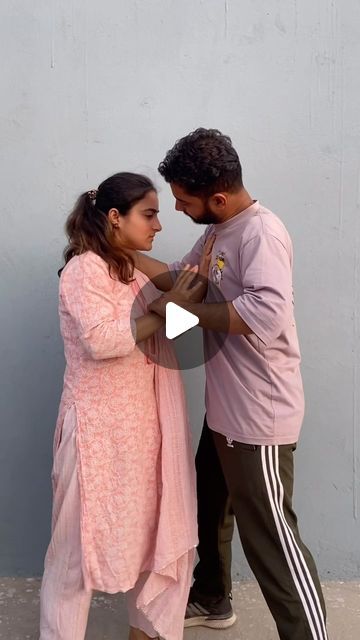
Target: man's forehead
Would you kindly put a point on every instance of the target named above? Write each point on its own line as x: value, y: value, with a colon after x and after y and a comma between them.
x: 180, y: 193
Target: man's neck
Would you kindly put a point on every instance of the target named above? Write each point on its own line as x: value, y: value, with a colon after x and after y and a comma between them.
x: 238, y: 202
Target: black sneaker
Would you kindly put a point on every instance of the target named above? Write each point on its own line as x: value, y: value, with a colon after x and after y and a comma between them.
x: 217, y: 615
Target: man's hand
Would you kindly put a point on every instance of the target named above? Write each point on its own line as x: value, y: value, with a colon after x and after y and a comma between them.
x: 203, y: 272
x: 206, y: 256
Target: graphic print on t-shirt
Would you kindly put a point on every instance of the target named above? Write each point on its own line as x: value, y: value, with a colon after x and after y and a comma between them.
x: 218, y: 268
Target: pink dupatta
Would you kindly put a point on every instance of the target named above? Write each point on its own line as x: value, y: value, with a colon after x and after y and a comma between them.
x: 164, y: 595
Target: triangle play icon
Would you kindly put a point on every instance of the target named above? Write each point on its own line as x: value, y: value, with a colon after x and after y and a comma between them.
x: 178, y: 320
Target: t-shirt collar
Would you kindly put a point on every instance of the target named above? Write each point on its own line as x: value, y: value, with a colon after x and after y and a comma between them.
x: 238, y: 217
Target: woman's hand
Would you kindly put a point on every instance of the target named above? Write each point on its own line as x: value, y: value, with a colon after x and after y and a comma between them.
x: 191, y: 284
x: 184, y: 290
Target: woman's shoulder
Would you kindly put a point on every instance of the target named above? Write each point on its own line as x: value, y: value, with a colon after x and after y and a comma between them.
x: 84, y: 262
x: 86, y: 265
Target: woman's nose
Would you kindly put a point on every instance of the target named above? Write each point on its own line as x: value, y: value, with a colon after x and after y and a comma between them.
x: 157, y: 226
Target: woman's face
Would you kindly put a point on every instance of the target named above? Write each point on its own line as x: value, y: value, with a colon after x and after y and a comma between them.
x: 137, y: 229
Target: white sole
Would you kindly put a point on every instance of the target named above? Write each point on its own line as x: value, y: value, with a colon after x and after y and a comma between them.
x: 203, y: 621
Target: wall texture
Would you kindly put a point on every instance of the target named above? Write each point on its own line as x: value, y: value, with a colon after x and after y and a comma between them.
x: 91, y: 88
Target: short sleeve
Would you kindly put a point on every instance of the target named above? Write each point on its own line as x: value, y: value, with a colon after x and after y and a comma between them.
x: 99, y: 306
x: 266, y: 304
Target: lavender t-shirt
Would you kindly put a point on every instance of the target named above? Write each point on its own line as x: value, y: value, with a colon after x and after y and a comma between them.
x: 254, y: 390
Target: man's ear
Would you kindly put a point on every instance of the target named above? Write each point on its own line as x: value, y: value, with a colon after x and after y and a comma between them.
x: 115, y: 218
x: 219, y: 200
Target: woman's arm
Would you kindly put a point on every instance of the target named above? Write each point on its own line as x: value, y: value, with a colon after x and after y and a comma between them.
x: 147, y: 325
x: 157, y: 271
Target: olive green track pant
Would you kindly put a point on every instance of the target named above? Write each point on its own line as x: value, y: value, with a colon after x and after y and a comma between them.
x: 254, y: 484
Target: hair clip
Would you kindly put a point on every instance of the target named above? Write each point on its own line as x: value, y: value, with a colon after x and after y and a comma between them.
x: 92, y: 194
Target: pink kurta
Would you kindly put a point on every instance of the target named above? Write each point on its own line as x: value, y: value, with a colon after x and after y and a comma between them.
x: 135, y: 463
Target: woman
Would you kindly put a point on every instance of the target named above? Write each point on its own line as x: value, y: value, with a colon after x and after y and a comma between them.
x: 124, y: 512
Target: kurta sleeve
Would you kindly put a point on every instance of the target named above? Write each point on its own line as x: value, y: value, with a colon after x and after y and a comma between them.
x: 99, y: 306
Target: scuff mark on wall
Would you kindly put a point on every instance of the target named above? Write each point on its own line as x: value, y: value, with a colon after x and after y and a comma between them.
x: 356, y: 404
x: 52, y: 36
x: 279, y: 24
x: 8, y: 261
x: 225, y: 18
x: 341, y: 108
x: 86, y: 92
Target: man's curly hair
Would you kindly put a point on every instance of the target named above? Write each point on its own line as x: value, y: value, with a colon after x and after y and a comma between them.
x: 203, y: 163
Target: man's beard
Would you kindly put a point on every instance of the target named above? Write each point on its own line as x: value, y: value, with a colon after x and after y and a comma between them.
x: 207, y: 217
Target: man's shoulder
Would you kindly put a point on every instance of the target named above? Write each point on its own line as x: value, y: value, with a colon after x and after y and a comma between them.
x: 265, y: 222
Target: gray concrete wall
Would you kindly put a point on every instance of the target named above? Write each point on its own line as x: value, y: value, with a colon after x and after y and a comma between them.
x: 90, y: 88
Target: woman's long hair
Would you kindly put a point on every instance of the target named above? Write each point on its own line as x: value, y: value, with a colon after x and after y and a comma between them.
x: 89, y: 229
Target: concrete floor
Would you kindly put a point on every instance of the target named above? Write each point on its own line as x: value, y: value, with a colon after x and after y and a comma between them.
x: 19, y: 614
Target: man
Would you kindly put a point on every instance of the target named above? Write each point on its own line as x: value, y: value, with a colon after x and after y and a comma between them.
x: 254, y: 393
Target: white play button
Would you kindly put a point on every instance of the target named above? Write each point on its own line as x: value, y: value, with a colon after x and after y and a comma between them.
x: 178, y: 320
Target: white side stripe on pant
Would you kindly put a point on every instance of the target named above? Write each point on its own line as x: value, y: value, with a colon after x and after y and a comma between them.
x: 294, y: 557
x: 310, y: 582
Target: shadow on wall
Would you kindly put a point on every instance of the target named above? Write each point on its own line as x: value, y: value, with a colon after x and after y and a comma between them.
x: 32, y: 363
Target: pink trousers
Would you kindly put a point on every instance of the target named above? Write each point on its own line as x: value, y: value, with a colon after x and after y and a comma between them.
x: 64, y: 603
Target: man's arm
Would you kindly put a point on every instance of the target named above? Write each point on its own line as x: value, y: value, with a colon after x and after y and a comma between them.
x: 218, y: 316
